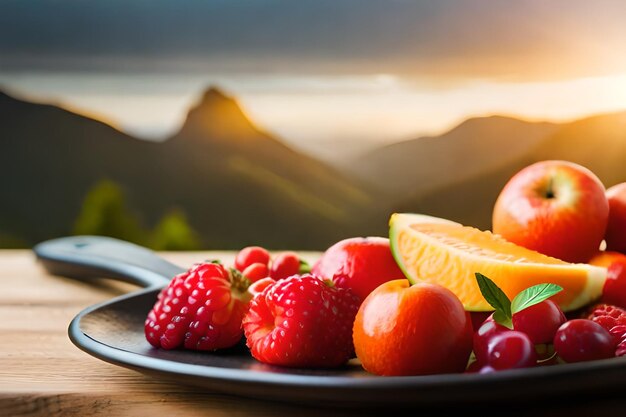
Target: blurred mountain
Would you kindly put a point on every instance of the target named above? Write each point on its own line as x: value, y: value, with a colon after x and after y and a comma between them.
x: 475, y: 146
x: 225, y: 183
x: 598, y: 143
x: 236, y: 184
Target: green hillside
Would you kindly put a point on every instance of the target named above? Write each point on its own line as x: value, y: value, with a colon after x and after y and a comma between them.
x: 475, y: 146
x: 598, y: 143
x: 233, y: 184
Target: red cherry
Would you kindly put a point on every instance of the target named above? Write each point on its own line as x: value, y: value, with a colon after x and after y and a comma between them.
x: 614, y: 291
x: 511, y: 350
x: 486, y: 370
x: 482, y: 337
x: 256, y: 271
x: 284, y: 265
x: 582, y: 340
x: 478, y: 318
x: 540, y: 321
x: 250, y: 255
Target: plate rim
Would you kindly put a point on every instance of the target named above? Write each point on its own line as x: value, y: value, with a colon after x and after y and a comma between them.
x: 133, y: 360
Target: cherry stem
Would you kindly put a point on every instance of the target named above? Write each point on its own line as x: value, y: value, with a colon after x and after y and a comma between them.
x: 540, y: 361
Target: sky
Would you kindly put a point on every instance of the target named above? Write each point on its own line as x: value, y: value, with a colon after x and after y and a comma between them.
x: 330, y: 77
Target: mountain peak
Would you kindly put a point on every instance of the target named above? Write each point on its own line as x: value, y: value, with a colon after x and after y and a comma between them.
x: 218, y: 116
x: 214, y: 94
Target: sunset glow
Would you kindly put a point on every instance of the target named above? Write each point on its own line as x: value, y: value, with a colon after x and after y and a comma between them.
x: 375, y: 74
x: 348, y: 112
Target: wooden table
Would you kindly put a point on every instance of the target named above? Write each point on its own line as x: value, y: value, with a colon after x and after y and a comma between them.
x: 43, y: 374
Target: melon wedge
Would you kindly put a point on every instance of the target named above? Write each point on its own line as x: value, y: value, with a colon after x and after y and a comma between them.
x: 447, y: 253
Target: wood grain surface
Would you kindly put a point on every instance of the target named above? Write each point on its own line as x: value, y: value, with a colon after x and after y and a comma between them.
x: 43, y: 374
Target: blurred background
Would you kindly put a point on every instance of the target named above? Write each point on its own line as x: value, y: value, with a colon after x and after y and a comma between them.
x: 219, y: 124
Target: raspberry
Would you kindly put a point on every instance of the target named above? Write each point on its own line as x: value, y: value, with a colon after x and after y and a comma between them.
x: 301, y: 321
x: 613, y: 319
x: 619, y: 334
x: 607, y: 315
x: 200, y: 309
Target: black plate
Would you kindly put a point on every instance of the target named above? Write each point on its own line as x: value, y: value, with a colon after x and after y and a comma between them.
x: 113, y: 331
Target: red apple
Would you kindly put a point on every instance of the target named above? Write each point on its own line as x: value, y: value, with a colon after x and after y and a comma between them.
x: 614, y: 290
x: 616, y: 229
x: 557, y: 208
x: 359, y: 263
x: 606, y: 258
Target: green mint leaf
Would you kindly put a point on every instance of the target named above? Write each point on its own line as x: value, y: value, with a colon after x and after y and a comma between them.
x: 501, y: 318
x: 496, y: 298
x: 533, y: 295
x: 305, y: 268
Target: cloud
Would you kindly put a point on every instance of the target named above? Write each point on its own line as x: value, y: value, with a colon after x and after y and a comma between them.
x: 446, y: 39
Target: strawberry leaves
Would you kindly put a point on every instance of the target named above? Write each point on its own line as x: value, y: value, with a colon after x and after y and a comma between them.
x: 505, y: 308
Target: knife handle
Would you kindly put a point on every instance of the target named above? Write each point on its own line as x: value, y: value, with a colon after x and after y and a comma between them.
x: 86, y: 257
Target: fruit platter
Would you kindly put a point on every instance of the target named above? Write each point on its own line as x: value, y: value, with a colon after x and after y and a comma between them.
x: 435, y: 311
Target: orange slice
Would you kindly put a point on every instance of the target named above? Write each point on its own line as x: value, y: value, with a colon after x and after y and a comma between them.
x: 447, y: 253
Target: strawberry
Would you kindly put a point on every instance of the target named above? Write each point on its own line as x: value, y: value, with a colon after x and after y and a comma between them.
x: 200, y: 309
x: 301, y: 321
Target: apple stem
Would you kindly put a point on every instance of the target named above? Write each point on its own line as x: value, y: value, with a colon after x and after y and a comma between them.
x: 550, y: 190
